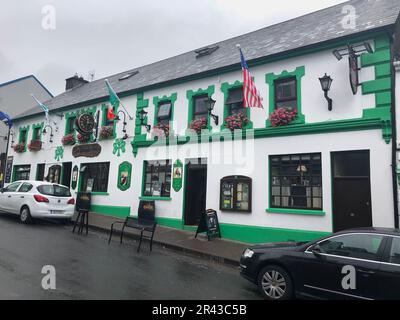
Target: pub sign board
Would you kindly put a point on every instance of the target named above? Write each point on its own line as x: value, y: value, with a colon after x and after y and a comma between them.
x: 177, y: 176
x: 86, y: 150
x: 209, y: 224
x: 9, y: 165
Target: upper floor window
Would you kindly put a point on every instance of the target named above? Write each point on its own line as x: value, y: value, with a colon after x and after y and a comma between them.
x: 200, y: 107
x: 286, y: 93
x: 70, y: 125
x: 234, y: 102
x: 23, y: 136
x: 36, y: 133
x: 164, y: 113
x: 107, y: 121
x: 296, y: 181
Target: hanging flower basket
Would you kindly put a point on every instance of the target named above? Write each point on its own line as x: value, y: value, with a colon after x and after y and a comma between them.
x: 198, y: 125
x: 106, y: 132
x: 35, y: 145
x: 236, y: 121
x: 83, y: 138
x: 282, y: 117
x: 161, y: 130
x: 20, y: 147
x: 68, y: 140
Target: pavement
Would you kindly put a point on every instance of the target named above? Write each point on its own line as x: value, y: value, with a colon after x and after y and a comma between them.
x: 86, y: 267
x: 218, y: 250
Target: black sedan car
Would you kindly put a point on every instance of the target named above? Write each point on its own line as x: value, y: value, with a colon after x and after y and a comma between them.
x: 352, y: 264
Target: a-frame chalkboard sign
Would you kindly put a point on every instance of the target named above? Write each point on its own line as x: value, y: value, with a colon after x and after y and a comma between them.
x: 209, y: 224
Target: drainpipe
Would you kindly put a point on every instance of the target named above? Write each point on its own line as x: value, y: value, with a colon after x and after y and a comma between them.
x: 395, y: 68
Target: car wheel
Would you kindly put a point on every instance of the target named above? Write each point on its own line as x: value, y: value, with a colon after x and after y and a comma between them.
x: 275, y: 283
x: 25, y: 216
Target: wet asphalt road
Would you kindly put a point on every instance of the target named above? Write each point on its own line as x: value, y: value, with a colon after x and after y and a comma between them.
x: 87, y: 268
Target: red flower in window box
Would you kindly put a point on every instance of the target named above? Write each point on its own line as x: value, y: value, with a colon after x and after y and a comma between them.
x: 35, y: 145
x: 20, y: 147
x: 107, y: 132
x: 198, y: 125
x: 68, y: 140
x: 236, y: 121
x: 282, y: 117
x: 83, y: 138
x: 161, y: 130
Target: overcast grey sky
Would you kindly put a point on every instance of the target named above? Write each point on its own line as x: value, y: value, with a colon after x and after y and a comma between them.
x: 113, y: 36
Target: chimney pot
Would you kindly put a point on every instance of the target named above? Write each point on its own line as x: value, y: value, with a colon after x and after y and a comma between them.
x: 74, y: 82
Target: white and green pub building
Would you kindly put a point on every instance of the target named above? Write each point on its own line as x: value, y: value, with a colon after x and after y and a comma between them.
x: 319, y: 157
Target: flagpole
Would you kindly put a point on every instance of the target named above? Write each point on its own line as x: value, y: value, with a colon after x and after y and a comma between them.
x: 130, y: 117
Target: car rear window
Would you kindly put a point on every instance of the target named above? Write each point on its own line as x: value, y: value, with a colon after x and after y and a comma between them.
x: 54, y: 190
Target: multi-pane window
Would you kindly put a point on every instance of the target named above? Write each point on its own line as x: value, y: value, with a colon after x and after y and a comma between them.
x: 23, y: 137
x: 157, y: 180
x: 95, y: 176
x: 164, y: 113
x: 235, y: 194
x: 200, y: 107
x: 234, y: 102
x: 36, y: 133
x: 70, y: 125
x: 286, y: 93
x: 22, y: 172
x: 296, y: 181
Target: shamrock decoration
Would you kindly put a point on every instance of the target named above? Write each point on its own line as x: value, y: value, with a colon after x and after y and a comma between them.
x: 59, y: 154
x: 119, y: 147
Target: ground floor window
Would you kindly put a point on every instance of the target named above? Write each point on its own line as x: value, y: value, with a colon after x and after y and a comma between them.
x: 235, y: 194
x: 54, y: 174
x: 157, y: 181
x: 95, y: 176
x: 296, y: 181
x: 22, y: 172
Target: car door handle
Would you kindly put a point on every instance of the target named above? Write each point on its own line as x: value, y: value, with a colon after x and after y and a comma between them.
x: 366, y: 271
x: 9, y: 196
x: 22, y: 197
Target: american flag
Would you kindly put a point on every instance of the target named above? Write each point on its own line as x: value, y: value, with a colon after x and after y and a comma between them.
x: 251, y: 97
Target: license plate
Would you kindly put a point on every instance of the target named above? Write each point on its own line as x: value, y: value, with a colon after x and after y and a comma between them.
x: 56, y: 212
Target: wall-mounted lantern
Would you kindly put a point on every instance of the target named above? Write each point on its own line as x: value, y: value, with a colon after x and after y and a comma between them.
x: 142, y: 117
x: 51, y: 132
x: 210, y: 106
x: 326, y: 82
x: 123, y: 124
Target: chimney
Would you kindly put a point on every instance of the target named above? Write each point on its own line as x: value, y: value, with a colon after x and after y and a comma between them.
x: 74, y: 82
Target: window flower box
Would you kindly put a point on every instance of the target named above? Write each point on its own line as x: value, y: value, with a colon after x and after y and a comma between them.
x: 83, y: 138
x: 107, y: 132
x: 68, y: 140
x: 236, y: 121
x: 282, y: 117
x: 35, y: 145
x: 20, y: 147
x: 161, y: 130
x: 198, y: 124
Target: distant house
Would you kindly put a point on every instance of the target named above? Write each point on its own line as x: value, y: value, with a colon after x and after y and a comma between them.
x: 15, y: 98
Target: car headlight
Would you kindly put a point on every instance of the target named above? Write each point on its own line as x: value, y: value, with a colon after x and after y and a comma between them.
x: 248, y: 253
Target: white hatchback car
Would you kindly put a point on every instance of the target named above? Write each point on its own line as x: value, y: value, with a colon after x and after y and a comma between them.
x: 37, y: 199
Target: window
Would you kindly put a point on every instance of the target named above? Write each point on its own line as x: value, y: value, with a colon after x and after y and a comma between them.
x: 235, y: 194
x: 12, y: 187
x: 95, y: 176
x: 157, y: 181
x: 22, y: 172
x: 235, y: 101
x: 26, y: 187
x: 164, y: 113
x: 54, y: 190
x: 286, y: 93
x: 108, y: 122
x: 200, y: 107
x: 37, y: 131
x: 394, y: 256
x: 70, y: 125
x: 360, y: 246
x: 54, y: 174
x: 23, y: 136
x: 40, y: 172
x: 296, y: 182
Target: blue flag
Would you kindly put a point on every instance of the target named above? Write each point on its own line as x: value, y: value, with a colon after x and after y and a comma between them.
x: 6, y: 119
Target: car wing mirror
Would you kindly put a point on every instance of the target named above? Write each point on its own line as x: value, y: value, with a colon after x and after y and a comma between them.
x: 2, y: 190
x: 316, y: 250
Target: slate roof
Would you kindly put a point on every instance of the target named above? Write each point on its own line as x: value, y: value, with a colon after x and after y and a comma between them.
x: 307, y: 30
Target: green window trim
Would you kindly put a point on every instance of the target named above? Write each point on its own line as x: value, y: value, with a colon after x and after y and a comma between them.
x: 225, y: 88
x: 141, y: 104
x: 295, y: 211
x: 158, y: 100
x: 190, y: 95
x: 26, y: 130
x: 104, y: 108
x: 98, y: 193
x: 34, y: 127
x: 124, y: 166
x: 270, y: 79
x: 148, y: 198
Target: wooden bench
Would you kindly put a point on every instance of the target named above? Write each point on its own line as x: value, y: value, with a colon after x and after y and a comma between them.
x: 145, y: 222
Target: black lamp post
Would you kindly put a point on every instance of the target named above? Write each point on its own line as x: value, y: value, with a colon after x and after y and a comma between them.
x: 51, y: 132
x: 210, y: 107
x: 142, y: 117
x: 123, y: 124
x: 326, y: 82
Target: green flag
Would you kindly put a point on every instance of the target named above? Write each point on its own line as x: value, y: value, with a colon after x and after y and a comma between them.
x: 114, y: 100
